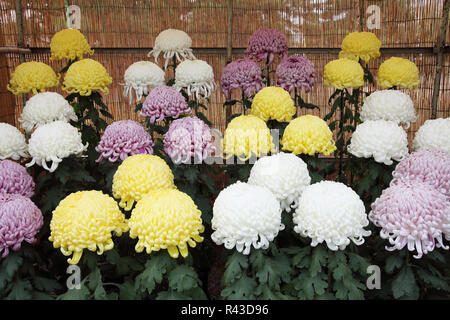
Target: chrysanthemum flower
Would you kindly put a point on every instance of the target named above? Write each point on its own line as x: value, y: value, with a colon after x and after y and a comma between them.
x: 284, y: 174
x: 188, y: 138
x: 433, y: 134
x: 245, y: 215
x: 390, y: 105
x: 295, y: 72
x: 273, y: 103
x: 360, y: 45
x: 242, y: 74
x: 164, y: 102
x: 15, y: 179
x: 196, y: 76
x: 46, y: 107
x: 166, y: 219
x: 266, y: 43
x: 138, y: 175
x: 172, y: 42
x: 332, y: 212
x: 85, y: 220
x: 308, y: 134
x: 32, y: 76
x: 69, y: 44
x: 398, y: 72
x: 12, y: 143
x: 20, y: 220
x: 246, y: 136
x: 343, y: 73
x: 122, y: 139
x: 411, y: 214
x: 383, y: 140
x: 53, y: 142
x: 85, y: 76
x: 430, y: 166
x: 141, y: 76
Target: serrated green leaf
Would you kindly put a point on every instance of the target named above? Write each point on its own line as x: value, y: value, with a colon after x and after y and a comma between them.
x: 242, y: 289
x: 318, y: 259
x: 94, y: 279
x: 393, y: 262
x: 11, y: 264
x: 172, y: 295
x: 76, y: 294
x: 100, y: 293
x: 155, y: 268
x: 20, y: 290
x: 434, y: 281
x: 235, y: 267
x: 404, y: 285
x: 127, y: 291
x: 46, y: 284
x: 183, y: 278
x: 191, y: 174
x: 308, y: 287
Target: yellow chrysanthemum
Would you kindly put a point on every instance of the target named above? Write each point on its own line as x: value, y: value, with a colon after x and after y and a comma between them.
x: 85, y: 220
x: 166, y: 219
x: 308, y: 134
x: 398, y: 72
x: 343, y: 73
x: 87, y: 75
x: 247, y: 135
x: 139, y: 175
x: 32, y: 76
x: 69, y: 44
x: 273, y: 103
x: 360, y: 45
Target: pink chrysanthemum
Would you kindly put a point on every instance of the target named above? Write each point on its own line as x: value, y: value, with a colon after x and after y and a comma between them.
x: 15, y: 179
x: 241, y: 73
x: 295, y: 71
x: 164, y: 102
x: 20, y: 220
x: 122, y: 139
x: 265, y: 43
x: 425, y: 165
x: 411, y: 214
x: 188, y: 137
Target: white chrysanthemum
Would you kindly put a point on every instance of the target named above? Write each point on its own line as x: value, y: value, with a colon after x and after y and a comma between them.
x: 46, y: 107
x: 172, y: 42
x: 383, y: 140
x: 196, y: 76
x: 245, y: 215
x: 285, y: 174
x: 391, y: 105
x: 332, y: 212
x: 53, y: 142
x: 141, y: 76
x: 12, y: 143
x: 433, y: 134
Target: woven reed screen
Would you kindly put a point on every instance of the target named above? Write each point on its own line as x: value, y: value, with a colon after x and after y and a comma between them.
x: 123, y: 32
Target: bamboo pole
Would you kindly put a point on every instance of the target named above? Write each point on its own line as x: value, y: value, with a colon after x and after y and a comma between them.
x: 229, y: 46
x: 440, y: 54
x: 20, y: 37
x: 14, y: 50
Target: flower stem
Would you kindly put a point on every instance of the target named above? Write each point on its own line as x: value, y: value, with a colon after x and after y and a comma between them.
x: 267, y: 72
x: 341, y: 132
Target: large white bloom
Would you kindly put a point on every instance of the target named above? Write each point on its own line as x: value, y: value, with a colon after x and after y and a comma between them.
x: 245, y: 215
x: 12, y: 143
x: 332, y: 212
x: 46, y: 107
x: 196, y: 76
x: 381, y: 139
x: 433, y: 134
x: 53, y: 142
x: 140, y: 76
x: 172, y: 42
x: 391, y: 105
x: 285, y: 174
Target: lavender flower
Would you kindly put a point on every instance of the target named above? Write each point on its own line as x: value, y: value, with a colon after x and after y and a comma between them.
x: 241, y: 73
x: 188, y: 137
x: 265, y: 43
x: 15, y: 179
x: 122, y: 139
x: 295, y: 71
x: 164, y: 102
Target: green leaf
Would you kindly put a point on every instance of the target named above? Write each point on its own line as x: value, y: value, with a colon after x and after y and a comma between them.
x: 94, y: 279
x: 100, y: 293
x: 127, y: 291
x: 172, y: 295
x: 404, y: 286
x: 11, y: 264
x: 234, y: 268
x: 308, y: 287
x: 76, y: 294
x: 434, y: 281
x: 21, y: 290
x: 264, y: 292
x: 46, y: 285
x: 273, y: 270
x: 128, y: 264
x: 393, y: 262
x: 318, y: 259
x: 155, y: 268
x: 183, y: 278
x: 242, y: 289
x: 191, y: 174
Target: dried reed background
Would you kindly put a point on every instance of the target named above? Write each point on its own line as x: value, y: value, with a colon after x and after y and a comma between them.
x: 123, y: 31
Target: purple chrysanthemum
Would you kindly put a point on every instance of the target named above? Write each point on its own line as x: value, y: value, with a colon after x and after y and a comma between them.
x: 20, y: 220
x: 295, y: 71
x: 188, y: 137
x: 241, y: 73
x: 15, y: 179
x: 122, y: 139
x: 425, y: 165
x: 412, y: 214
x: 265, y: 43
x: 164, y: 102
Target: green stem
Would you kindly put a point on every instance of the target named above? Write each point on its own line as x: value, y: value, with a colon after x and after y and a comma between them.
x: 267, y: 72
x: 295, y: 97
x: 244, y: 103
x: 341, y: 132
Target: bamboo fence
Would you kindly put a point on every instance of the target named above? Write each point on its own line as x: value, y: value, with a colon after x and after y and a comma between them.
x: 123, y: 32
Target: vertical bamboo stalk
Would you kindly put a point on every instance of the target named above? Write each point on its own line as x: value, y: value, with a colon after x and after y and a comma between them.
x: 20, y: 37
x: 440, y: 54
x: 229, y: 46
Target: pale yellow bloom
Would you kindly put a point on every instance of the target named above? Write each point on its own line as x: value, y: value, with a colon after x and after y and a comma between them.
x: 343, y: 73
x: 398, y: 72
x: 32, y: 76
x: 69, y: 44
x: 360, y: 45
x: 273, y: 103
